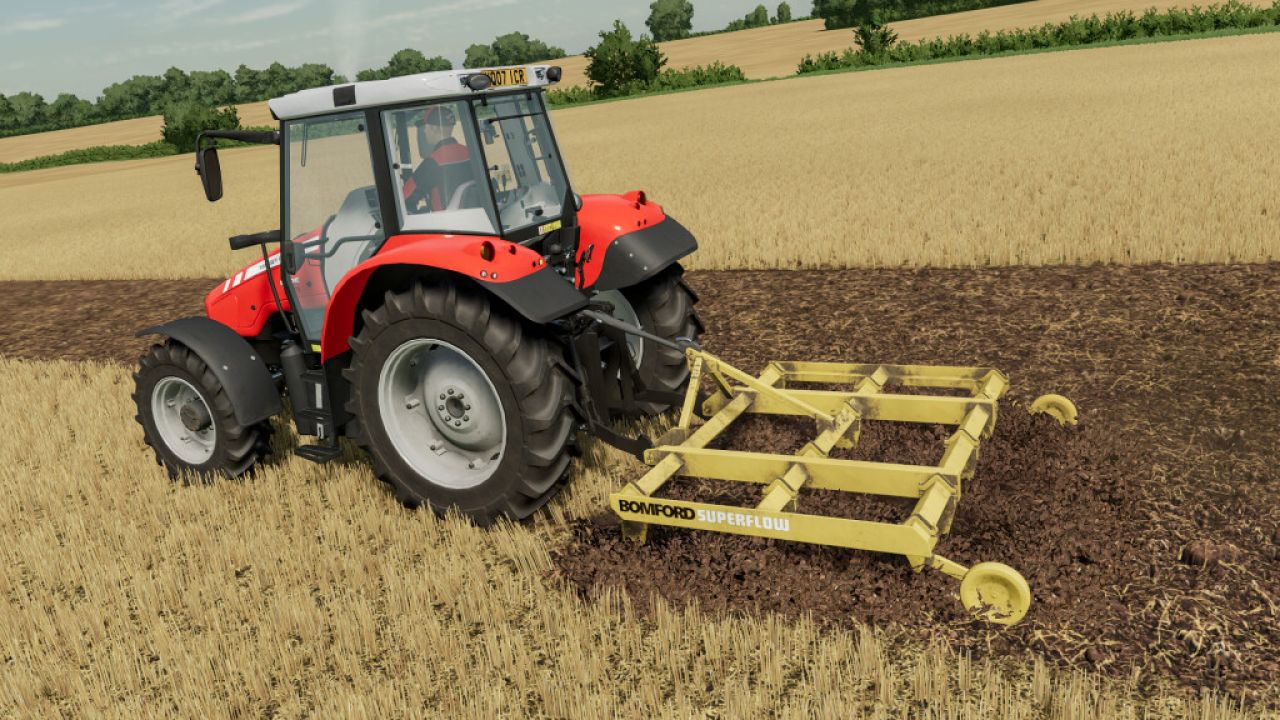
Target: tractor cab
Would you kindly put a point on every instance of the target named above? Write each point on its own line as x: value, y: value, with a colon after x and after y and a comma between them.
x: 478, y: 159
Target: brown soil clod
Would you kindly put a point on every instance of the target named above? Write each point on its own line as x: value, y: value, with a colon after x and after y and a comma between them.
x: 1202, y: 553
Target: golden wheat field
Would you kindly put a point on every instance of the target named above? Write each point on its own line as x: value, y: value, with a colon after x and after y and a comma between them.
x: 1125, y: 154
x: 309, y: 591
x: 761, y: 53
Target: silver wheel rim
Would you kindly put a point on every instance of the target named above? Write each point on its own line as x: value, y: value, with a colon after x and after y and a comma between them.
x: 442, y: 413
x: 190, y: 436
x: 624, y: 311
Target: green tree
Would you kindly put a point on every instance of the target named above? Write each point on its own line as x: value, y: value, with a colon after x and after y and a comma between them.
x: 874, y: 38
x: 670, y: 19
x: 311, y: 75
x: 67, y: 110
x: 174, y: 86
x: 784, y: 13
x: 405, y: 62
x: 212, y: 88
x: 758, y: 17
x: 7, y: 119
x: 845, y: 13
x: 28, y: 109
x: 619, y: 62
x: 514, y: 48
x: 186, y: 119
x: 248, y: 84
x: 139, y: 95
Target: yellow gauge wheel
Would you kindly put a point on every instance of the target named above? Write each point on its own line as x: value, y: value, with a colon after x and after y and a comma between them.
x: 1056, y: 407
x: 995, y: 592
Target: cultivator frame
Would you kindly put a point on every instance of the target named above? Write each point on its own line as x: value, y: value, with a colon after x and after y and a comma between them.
x: 992, y: 591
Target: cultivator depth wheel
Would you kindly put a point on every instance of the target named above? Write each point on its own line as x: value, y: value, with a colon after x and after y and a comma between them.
x: 995, y: 592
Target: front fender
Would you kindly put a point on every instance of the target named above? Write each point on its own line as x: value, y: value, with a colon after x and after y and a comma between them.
x: 240, y: 370
x: 515, y: 274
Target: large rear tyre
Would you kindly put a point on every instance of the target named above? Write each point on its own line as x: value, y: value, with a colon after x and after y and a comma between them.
x: 461, y: 404
x: 663, y: 305
x: 188, y: 420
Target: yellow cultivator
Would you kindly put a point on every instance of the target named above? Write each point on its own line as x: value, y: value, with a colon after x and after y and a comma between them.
x: 992, y: 591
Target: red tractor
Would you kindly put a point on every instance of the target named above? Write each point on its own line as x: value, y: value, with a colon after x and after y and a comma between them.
x: 436, y: 292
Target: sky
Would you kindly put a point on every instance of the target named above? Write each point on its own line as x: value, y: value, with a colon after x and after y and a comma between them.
x: 82, y: 46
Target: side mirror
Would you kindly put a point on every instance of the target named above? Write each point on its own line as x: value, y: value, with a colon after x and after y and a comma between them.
x: 210, y: 173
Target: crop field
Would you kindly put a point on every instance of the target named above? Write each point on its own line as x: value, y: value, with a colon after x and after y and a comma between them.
x: 767, y: 52
x: 1126, y: 154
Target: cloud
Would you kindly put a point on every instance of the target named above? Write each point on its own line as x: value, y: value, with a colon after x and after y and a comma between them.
x: 266, y: 12
x: 175, y: 9
x: 32, y: 24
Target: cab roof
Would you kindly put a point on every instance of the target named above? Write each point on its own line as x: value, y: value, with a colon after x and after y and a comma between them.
x: 407, y: 88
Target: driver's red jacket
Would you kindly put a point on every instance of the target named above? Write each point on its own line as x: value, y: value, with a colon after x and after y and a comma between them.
x: 440, y: 173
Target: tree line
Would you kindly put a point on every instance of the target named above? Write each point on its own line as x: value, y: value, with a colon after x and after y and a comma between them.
x: 145, y: 95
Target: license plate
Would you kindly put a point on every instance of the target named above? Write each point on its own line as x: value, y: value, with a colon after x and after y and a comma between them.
x: 507, y: 76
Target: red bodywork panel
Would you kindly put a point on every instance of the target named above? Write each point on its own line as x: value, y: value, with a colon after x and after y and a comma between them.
x: 605, y: 217
x: 460, y: 254
x: 244, y: 302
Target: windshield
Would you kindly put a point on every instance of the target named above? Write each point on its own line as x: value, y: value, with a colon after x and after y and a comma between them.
x: 439, y: 173
x: 451, y: 166
x: 524, y: 166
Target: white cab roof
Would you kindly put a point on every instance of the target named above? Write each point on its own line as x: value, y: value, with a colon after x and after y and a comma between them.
x: 407, y: 88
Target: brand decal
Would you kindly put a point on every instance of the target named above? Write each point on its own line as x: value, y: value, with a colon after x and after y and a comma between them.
x: 250, y: 272
x: 751, y: 520
x: 657, y: 509
x: 712, y: 517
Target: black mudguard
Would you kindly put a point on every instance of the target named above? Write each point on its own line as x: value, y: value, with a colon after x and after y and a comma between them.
x: 541, y: 296
x: 637, y: 256
x: 238, y: 367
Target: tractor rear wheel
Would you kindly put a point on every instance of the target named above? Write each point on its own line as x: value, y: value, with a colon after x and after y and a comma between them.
x: 188, y: 420
x: 663, y: 305
x: 461, y: 404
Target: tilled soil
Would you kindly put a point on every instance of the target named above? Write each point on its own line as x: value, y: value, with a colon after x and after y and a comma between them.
x: 91, y: 319
x: 1149, y: 533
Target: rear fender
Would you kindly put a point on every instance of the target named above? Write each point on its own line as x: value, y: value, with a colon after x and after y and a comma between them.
x: 517, y: 275
x: 239, y: 368
x: 627, y: 239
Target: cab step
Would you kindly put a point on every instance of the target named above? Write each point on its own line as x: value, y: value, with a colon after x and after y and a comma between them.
x: 318, y: 453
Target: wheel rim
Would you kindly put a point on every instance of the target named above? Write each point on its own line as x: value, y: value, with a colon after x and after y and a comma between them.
x: 626, y: 312
x: 442, y: 413
x: 183, y: 420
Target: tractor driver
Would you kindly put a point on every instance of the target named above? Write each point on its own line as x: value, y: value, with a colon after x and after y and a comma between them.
x: 444, y: 168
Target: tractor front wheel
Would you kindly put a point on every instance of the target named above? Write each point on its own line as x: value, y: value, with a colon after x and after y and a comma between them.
x: 188, y: 420
x: 461, y: 404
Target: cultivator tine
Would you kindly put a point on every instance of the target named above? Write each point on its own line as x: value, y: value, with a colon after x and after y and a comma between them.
x: 992, y: 591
